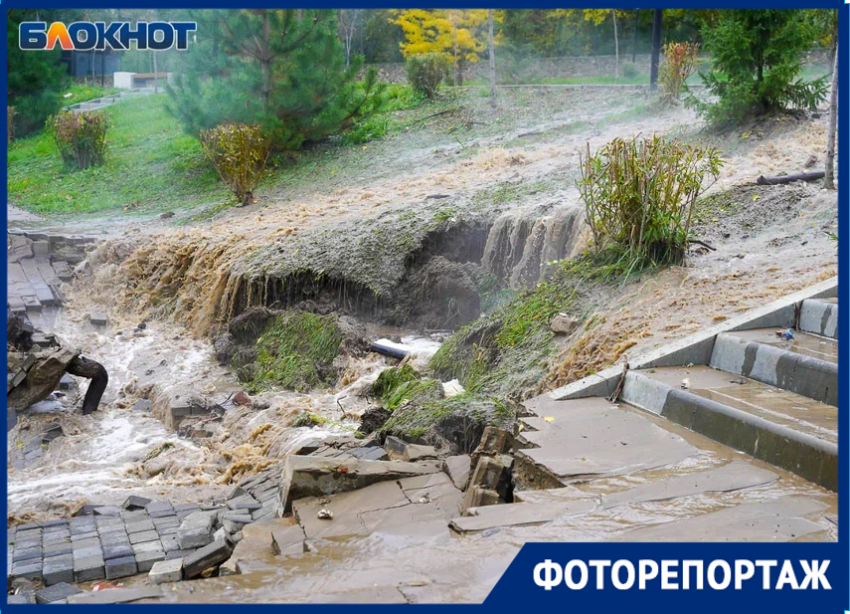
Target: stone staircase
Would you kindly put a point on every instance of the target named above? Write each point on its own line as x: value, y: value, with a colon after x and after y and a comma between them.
x: 736, y: 409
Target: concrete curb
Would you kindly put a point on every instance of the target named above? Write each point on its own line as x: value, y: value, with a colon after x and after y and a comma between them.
x: 807, y: 456
x: 804, y: 375
x: 819, y: 317
x: 698, y: 348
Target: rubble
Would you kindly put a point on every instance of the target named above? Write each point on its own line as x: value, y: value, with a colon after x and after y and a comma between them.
x: 307, y: 476
x: 399, y: 450
x: 209, y: 556
x: 166, y: 571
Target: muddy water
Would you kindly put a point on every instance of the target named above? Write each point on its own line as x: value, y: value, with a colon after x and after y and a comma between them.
x: 102, y: 457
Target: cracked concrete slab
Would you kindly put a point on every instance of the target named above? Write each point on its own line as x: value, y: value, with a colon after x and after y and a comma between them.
x: 483, y: 518
x: 771, y: 521
x: 581, y: 438
x: 734, y: 476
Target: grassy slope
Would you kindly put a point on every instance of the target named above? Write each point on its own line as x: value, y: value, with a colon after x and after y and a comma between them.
x: 150, y: 161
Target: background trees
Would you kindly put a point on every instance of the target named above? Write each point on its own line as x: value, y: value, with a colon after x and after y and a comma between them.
x: 271, y: 68
x: 35, y: 80
x: 756, y: 61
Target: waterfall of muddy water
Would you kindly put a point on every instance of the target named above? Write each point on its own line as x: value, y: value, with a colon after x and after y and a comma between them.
x: 520, y: 245
x: 122, y: 449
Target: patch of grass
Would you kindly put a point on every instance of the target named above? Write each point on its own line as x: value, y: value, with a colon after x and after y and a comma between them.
x: 296, y: 352
x: 390, y: 379
x: 463, y: 417
x: 150, y: 164
x: 413, y: 391
x: 506, y: 352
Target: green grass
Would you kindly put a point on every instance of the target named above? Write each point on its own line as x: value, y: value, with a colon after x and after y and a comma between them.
x: 296, y: 352
x: 150, y: 162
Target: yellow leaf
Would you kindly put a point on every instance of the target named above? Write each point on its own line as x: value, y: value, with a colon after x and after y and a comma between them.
x: 549, y: 418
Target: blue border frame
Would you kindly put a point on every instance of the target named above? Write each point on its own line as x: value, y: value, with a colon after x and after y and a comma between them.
x: 516, y: 589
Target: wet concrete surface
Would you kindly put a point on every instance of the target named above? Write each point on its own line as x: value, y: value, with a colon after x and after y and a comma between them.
x: 774, y: 404
x: 802, y: 343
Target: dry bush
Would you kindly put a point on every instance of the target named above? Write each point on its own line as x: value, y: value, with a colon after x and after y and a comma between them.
x: 679, y: 63
x: 80, y: 137
x: 239, y: 153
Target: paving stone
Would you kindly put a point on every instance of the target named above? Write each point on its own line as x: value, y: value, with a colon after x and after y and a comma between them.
x: 108, y: 510
x: 83, y: 536
x: 30, y: 526
x: 109, y: 521
x: 115, y: 539
x: 145, y: 560
x: 56, y: 549
x: 134, y: 515
x: 138, y: 526
x: 31, y: 569
x: 90, y: 568
x: 169, y: 570
x: 85, y: 553
x: 245, y: 502
x: 195, y: 531
x: 166, y: 521
x: 170, y: 542
x: 85, y: 543
x: 159, y: 508
x: 135, y: 503
x: 121, y: 567
x: 117, y: 551
x: 206, y: 557
x: 144, y: 536
x: 47, y: 524
x: 148, y: 546
x: 25, y: 554
x: 232, y: 526
x: 183, y: 507
x: 56, y: 535
x: 116, y: 595
x: 57, y: 592
x: 58, y: 569
x: 236, y: 492
x: 26, y: 544
x: 168, y: 531
x: 27, y: 598
x: 34, y: 533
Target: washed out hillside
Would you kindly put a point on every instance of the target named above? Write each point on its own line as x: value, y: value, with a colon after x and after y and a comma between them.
x: 347, y: 306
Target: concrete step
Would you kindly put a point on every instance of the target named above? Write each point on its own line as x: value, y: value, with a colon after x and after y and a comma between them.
x: 615, y: 470
x: 780, y: 427
x: 806, y: 364
x: 820, y: 316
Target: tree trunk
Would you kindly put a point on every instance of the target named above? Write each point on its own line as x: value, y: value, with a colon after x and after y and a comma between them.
x: 458, y: 69
x: 492, y: 59
x: 266, y: 62
x: 656, y: 49
x: 634, y: 43
x: 829, y: 172
x: 616, y: 46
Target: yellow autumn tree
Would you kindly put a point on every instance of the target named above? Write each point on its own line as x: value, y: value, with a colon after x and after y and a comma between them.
x: 459, y: 33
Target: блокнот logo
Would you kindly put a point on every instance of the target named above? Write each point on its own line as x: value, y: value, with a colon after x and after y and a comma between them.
x: 85, y: 36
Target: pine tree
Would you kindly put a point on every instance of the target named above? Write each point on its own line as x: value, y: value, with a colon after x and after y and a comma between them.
x: 269, y: 68
x: 756, y: 59
x: 35, y: 78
